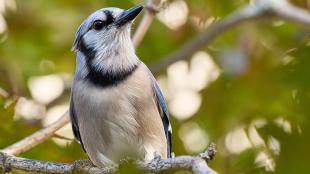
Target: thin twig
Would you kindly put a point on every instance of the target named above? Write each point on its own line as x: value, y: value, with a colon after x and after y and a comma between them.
x: 150, y: 10
x: 196, y: 164
x: 55, y: 135
x: 37, y: 137
x: 142, y: 29
x: 260, y: 9
x: 285, y: 10
x: 4, y: 93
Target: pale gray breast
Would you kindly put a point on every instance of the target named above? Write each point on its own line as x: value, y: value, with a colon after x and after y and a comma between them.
x: 118, y: 121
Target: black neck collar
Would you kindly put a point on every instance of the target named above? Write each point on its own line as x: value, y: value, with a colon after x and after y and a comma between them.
x: 107, y: 79
x: 100, y: 78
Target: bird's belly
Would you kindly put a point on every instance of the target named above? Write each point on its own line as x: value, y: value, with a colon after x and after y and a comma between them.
x: 108, y: 125
x: 124, y: 131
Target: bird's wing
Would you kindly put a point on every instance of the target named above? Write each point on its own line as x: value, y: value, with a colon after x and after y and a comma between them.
x: 163, y: 110
x: 74, y: 122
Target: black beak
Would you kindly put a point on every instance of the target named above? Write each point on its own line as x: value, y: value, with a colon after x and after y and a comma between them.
x: 128, y: 15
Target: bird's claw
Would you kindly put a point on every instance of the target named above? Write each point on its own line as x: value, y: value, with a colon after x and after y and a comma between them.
x: 82, y: 164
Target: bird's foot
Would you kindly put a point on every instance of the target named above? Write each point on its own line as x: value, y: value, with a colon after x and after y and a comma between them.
x: 157, y: 156
x: 80, y: 165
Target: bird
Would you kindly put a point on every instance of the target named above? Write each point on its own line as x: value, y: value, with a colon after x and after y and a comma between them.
x: 117, y: 108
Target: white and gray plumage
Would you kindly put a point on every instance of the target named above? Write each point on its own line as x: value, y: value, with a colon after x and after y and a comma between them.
x: 117, y: 109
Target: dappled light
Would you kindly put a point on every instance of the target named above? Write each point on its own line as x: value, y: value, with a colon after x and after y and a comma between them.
x: 202, y: 24
x: 28, y: 109
x: 194, y: 138
x: 4, y: 6
x: 45, y: 89
x: 255, y: 139
x: 174, y: 15
x: 263, y: 160
x: 284, y: 124
x: 184, y: 81
x: 237, y: 141
x: 65, y: 133
x: 185, y: 104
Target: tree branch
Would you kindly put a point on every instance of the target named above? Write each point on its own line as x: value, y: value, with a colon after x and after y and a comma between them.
x: 37, y: 137
x: 195, y: 164
x: 260, y: 9
x: 285, y: 10
x: 151, y: 9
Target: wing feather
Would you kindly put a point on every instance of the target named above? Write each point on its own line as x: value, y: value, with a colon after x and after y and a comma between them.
x: 74, y: 122
x: 163, y: 109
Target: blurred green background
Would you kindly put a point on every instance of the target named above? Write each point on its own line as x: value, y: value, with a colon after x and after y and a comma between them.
x: 248, y: 91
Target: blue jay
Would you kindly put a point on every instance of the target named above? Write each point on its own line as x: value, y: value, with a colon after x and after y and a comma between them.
x: 117, y: 109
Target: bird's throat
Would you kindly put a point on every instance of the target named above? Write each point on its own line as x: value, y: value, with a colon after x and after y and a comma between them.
x: 108, y: 67
x: 109, y: 78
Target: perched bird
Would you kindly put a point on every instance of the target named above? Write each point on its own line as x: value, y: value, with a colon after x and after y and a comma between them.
x: 117, y: 108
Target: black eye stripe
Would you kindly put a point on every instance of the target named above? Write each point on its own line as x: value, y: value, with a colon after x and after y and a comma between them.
x: 110, y: 18
x: 99, y: 24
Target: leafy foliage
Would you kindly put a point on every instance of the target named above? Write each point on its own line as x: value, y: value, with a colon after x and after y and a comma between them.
x: 264, y: 76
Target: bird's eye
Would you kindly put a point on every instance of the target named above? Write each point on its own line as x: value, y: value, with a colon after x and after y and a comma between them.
x: 98, y: 25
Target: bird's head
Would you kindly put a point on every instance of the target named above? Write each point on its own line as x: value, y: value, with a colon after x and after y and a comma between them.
x: 104, y: 37
x: 105, y: 27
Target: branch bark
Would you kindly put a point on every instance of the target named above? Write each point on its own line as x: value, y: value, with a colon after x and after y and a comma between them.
x: 195, y: 164
x: 281, y: 9
x: 37, y: 137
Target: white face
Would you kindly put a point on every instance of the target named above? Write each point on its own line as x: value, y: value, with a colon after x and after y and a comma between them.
x: 105, y: 27
x: 102, y: 32
x: 104, y: 39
